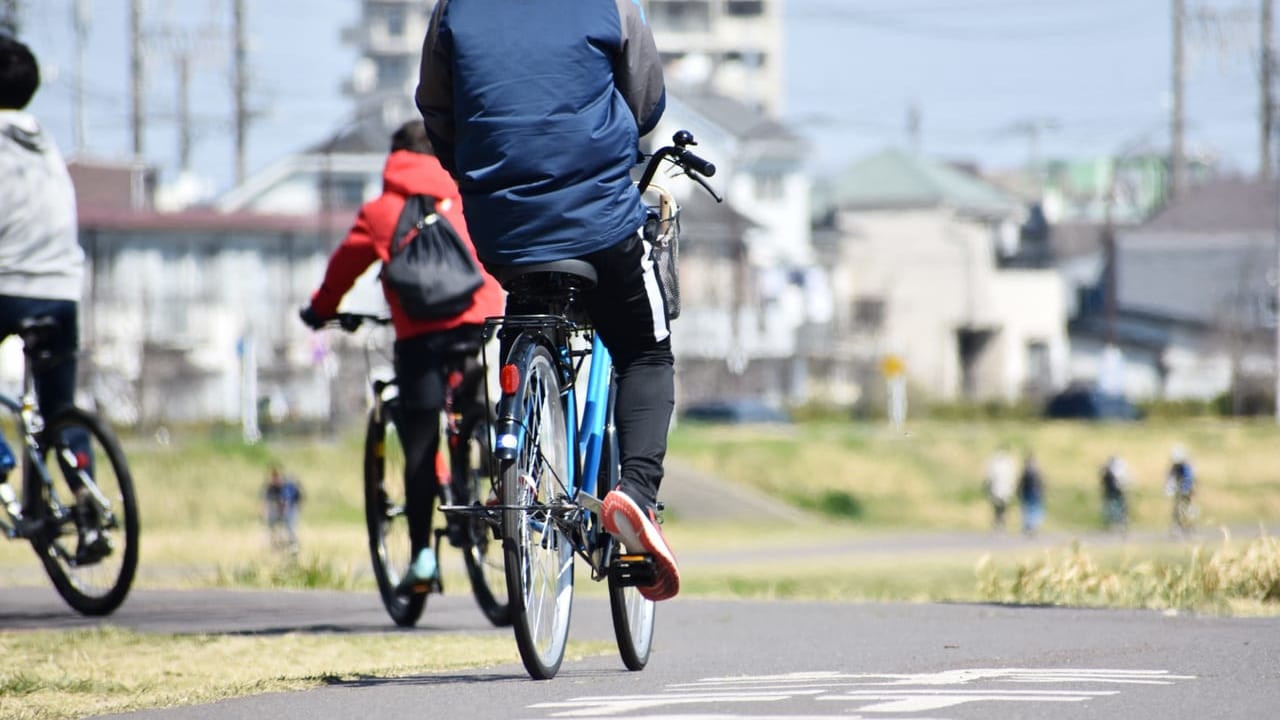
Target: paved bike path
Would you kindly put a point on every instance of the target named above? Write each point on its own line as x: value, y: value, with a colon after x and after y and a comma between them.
x: 807, y: 661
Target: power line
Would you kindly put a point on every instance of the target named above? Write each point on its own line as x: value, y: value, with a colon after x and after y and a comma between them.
x: 1022, y: 29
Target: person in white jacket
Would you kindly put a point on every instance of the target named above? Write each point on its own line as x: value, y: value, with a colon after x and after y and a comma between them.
x: 41, y: 262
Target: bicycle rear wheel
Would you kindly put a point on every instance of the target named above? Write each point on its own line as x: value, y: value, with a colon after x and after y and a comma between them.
x: 539, y: 557
x: 89, y: 539
x: 385, y: 517
x: 472, y: 478
x: 633, y: 614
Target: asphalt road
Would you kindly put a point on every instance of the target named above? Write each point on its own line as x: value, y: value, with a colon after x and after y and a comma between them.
x: 718, y: 659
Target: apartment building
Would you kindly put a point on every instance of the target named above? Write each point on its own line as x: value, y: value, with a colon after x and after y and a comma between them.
x: 389, y: 38
x: 729, y: 47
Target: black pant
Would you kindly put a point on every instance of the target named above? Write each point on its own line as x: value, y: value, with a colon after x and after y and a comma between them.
x: 629, y: 313
x: 422, y: 364
x: 56, y: 382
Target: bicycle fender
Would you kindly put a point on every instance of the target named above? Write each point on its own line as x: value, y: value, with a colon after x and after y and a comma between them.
x: 510, y: 430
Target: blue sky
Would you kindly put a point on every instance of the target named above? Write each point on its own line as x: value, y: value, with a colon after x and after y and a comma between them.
x: 1097, y: 71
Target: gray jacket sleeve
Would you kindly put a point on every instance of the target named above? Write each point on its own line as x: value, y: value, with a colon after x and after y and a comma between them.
x: 435, y: 88
x: 638, y: 69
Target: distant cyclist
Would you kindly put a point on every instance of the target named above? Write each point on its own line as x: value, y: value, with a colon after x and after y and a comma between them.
x: 536, y: 108
x: 411, y: 169
x: 41, y: 262
x: 1180, y: 485
x: 1115, y: 483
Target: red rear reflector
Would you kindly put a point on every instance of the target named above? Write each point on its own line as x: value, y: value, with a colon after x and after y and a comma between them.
x: 509, y: 379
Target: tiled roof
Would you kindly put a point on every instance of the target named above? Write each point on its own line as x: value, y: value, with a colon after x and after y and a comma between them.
x: 1232, y: 205
x: 737, y: 118
x: 893, y: 179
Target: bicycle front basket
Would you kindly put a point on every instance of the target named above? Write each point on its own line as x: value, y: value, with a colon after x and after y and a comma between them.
x: 665, y: 237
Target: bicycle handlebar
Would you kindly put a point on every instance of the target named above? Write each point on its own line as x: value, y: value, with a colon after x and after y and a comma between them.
x: 350, y: 322
x: 679, y: 155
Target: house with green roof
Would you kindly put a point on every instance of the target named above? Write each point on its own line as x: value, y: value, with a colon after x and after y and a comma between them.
x: 924, y: 269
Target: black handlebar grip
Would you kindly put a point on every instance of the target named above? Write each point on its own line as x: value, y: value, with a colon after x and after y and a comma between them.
x: 697, y: 164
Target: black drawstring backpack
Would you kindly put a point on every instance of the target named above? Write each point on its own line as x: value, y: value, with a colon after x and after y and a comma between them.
x: 430, y: 270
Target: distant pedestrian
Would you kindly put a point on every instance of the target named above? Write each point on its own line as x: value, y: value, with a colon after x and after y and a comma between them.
x: 1031, y: 495
x: 282, y: 498
x: 1180, y: 485
x: 1000, y: 482
x: 1115, y: 505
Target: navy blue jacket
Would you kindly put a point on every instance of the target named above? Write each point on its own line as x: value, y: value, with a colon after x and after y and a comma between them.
x: 536, y: 109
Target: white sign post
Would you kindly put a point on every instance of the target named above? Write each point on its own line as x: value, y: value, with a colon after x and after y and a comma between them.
x: 895, y: 374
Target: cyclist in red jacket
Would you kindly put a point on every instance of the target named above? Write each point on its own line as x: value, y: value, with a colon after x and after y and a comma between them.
x: 411, y: 169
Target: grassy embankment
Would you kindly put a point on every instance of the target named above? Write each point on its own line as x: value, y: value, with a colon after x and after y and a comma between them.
x: 202, y: 517
x: 202, y: 528
x: 860, y: 478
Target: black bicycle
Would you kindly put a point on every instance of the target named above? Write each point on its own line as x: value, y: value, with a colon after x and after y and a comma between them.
x: 77, y: 506
x: 464, y: 476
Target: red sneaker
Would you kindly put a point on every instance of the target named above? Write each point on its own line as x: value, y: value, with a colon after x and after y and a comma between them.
x: 638, y: 530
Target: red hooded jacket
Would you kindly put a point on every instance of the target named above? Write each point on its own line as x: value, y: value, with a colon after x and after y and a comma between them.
x: 369, y: 240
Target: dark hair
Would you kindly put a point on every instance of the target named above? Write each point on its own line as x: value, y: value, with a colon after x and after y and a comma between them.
x: 412, y: 136
x: 19, y: 74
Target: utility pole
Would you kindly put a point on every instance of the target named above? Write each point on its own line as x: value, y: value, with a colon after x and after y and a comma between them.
x: 137, y: 80
x: 1177, y: 156
x: 1267, y: 109
x: 1033, y: 129
x: 914, y: 121
x: 240, y: 88
x: 80, y: 21
x: 10, y: 17
x: 184, y: 109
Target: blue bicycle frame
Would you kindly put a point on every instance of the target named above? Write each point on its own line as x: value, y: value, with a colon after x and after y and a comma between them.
x: 585, y: 437
x: 595, y: 416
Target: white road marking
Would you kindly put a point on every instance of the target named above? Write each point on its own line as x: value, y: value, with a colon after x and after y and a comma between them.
x: 866, y: 692
x: 613, y: 707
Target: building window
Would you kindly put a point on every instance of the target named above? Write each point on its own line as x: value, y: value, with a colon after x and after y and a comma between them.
x: 392, y: 73
x: 769, y: 186
x: 868, y: 313
x: 680, y: 16
x: 342, y: 192
x: 745, y: 8
x: 394, y: 16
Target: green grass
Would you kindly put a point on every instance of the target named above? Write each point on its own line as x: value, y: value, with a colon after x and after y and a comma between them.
x: 931, y: 476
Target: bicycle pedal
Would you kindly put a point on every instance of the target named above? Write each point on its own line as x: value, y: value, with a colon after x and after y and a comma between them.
x: 634, y: 570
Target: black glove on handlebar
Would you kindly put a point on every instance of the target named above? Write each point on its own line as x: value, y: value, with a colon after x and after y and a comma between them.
x: 310, y: 318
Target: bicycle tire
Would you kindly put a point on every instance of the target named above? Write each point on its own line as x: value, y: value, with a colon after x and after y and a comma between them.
x: 385, y: 518
x: 471, y: 474
x: 633, y: 614
x: 538, y: 556
x: 75, y: 442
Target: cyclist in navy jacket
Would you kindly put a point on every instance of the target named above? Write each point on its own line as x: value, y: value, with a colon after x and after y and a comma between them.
x: 536, y: 109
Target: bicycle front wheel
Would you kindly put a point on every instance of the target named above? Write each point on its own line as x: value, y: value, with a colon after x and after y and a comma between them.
x: 385, y: 517
x: 88, y: 541
x: 539, y: 557
x: 472, y: 476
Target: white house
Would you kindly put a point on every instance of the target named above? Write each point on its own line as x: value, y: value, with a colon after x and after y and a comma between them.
x: 925, y: 270
x: 749, y: 278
